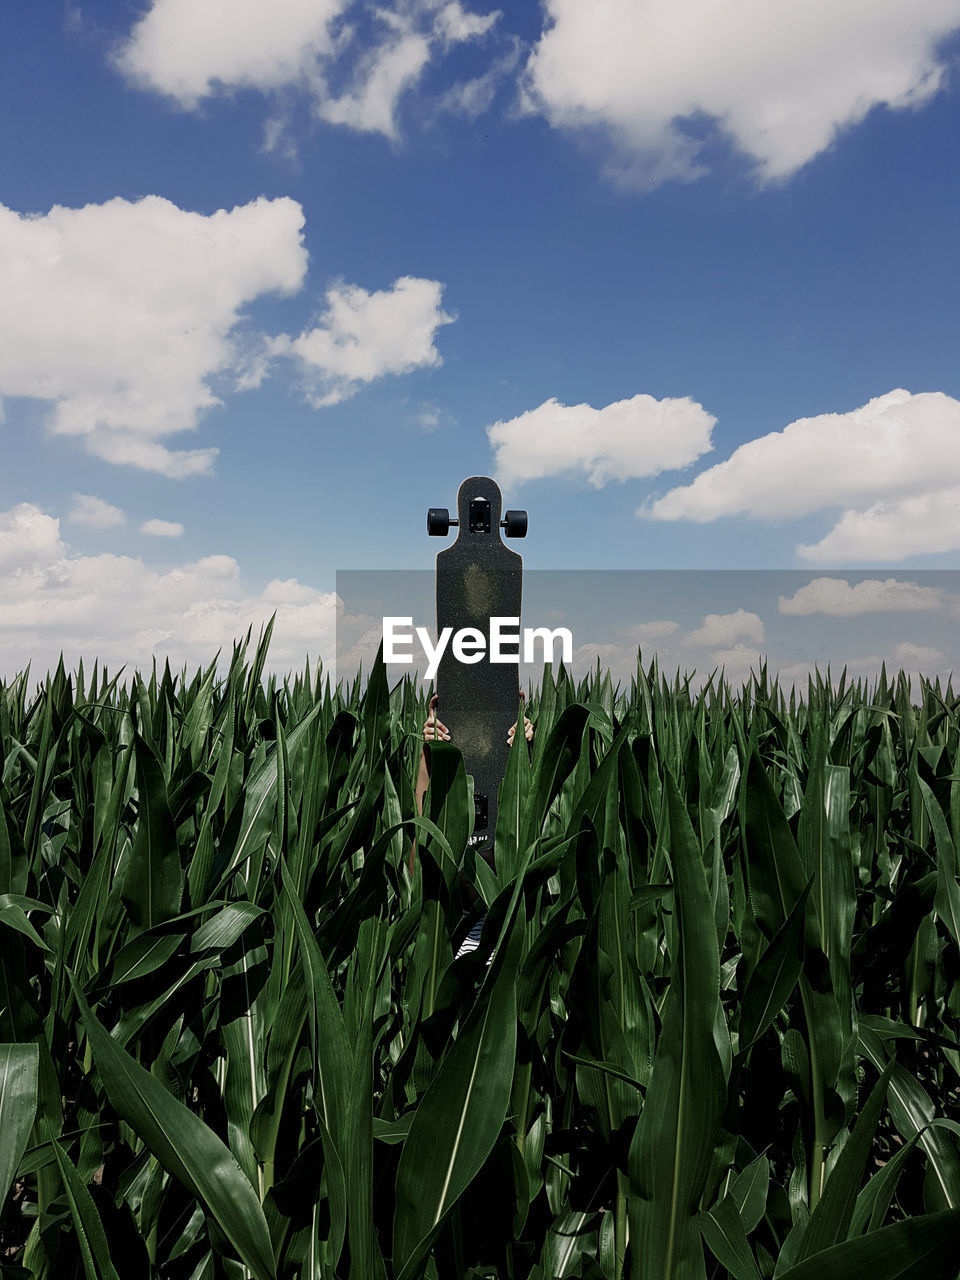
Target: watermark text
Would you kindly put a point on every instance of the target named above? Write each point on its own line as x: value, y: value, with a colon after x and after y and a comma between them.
x: 505, y: 643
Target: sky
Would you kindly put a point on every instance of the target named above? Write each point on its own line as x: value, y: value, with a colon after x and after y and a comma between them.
x: 274, y: 278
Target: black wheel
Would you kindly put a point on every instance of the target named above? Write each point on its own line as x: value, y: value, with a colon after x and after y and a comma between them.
x: 438, y: 522
x: 515, y: 524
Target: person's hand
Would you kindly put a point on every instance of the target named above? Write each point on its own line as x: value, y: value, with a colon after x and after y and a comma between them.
x: 527, y: 730
x: 435, y: 730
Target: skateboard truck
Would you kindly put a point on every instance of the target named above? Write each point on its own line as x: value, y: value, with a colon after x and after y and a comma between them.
x: 439, y: 524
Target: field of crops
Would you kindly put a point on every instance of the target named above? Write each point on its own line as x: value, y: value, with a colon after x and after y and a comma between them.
x: 711, y: 1028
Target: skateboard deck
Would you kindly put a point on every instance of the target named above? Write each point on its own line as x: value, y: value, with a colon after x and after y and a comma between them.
x: 478, y: 578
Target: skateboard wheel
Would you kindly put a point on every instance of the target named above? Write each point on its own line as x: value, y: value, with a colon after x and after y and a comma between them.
x: 438, y: 521
x: 515, y: 524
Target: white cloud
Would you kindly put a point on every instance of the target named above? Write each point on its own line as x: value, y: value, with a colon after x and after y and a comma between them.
x: 472, y: 98
x: 893, y: 463
x: 912, y: 660
x: 893, y: 530
x: 382, y: 77
x: 188, y: 49
x: 657, y: 629
x: 124, y: 612
x: 624, y: 440
x: 894, y: 444
x: 454, y: 23
x: 162, y: 528
x: 191, y: 51
x: 723, y: 630
x: 736, y: 663
x: 362, y: 336
x: 94, y: 512
x: 924, y: 655
x: 611, y: 657
x: 729, y: 640
x: 124, y: 316
x: 120, y: 315
x: 838, y: 598
x: 362, y: 652
x: 27, y: 536
x: 431, y: 418
x: 779, y: 79
x: 866, y: 668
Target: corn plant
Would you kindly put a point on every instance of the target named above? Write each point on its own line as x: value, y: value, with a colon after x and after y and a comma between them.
x: 711, y: 1028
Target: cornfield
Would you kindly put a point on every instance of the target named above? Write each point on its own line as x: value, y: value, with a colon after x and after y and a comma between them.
x: 711, y: 1028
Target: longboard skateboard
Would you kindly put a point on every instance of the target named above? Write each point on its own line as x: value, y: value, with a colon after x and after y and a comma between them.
x: 478, y: 578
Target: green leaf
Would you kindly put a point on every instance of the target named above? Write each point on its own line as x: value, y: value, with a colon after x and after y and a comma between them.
x: 19, y: 1069
x: 830, y: 1221
x: 923, y: 1248
x: 722, y: 1230
x: 331, y: 1049
x: 513, y: 794
x: 184, y: 1145
x: 459, y: 1117
x: 874, y: 1200
x: 376, y: 707
x: 259, y: 803
x: 153, y: 879
x: 554, y: 762
x: 911, y: 1108
x: 776, y: 872
x: 749, y: 1191
x: 671, y: 1151
x: 775, y: 976
x: 223, y: 929
x: 569, y: 1239
x: 13, y: 861
x: 87, y: 1226
x: 14, y: 917
x: 948, y: 887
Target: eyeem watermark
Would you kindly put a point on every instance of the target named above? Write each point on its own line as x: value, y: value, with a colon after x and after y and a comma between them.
x: 506, y: 643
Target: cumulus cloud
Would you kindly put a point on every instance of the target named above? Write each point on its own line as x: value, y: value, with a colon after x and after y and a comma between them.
x: 737, y: 663
x: 737, y: 641
x: 125, y: 317
x: 916, y: 656
x: 120, y: 315
x: 611, y: 657
x: 191, y: 51
x: 94, y: 512
x: 894, y: 444
x: 779, y: 80
x: 723, y: 630
x: 892, y: 465
x: 906, y: 658
x: 360, y: 654
x: 380, y: 79
x: 162, y: 528
x: 893, y: 530
x: 728, y: 640
x: 646, y: 632
x: 838, y: 598
x: 27, y: 537
x: 622, y: 441
x: 124, y: 612
x: 695, y: 653
x: 362, y: 336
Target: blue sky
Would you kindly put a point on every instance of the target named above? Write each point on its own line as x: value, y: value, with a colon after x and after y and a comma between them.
x: 275, y: 278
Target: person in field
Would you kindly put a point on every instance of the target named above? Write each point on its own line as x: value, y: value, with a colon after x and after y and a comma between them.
x: 434, y: 730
